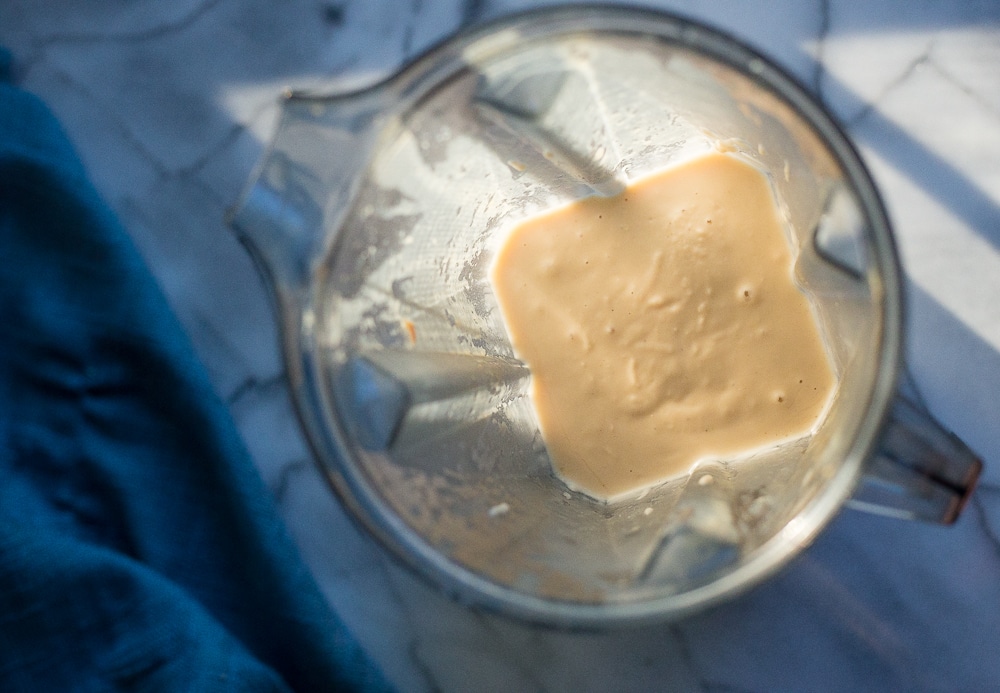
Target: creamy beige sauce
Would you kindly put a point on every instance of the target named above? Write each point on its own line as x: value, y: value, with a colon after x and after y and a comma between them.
x: 662, y: 326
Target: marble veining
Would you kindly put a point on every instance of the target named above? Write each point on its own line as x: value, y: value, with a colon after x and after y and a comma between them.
x: 170, y: 105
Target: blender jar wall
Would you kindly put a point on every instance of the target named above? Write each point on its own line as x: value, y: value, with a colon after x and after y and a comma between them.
x: 546, y: 122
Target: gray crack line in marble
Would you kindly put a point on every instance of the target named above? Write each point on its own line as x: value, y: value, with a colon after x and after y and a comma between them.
x: 411, y: 26
x: 983, y: 517
x: 279, y: 487
x: 120, y: 126
x: 871, y: 106
x: 385, y: 565
x: 687, y: 656
x: 154, y: 32
x: 856, y: 617
x: 412, y: 651
x: 266, y: 385
x: 231, y: 135
x: 197, y: 319
x: 939, y: 178
x: 956, y: 82
x: 333, y: 14
x: 821, y: 36
x: 512, y: 656
x: 472, y: 11
x: 705, y: 684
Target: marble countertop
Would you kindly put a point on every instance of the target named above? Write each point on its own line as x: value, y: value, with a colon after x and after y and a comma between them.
x: 170, y: 105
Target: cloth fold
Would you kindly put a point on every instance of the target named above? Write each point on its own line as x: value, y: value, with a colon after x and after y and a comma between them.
x: 139, y: 549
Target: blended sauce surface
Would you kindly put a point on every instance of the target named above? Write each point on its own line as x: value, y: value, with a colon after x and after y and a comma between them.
x: 662, y: 326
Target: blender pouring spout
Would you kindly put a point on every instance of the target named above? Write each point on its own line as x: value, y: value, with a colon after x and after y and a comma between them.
x: 305, y: 182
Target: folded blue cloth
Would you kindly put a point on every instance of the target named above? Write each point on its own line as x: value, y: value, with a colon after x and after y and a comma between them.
x: 139, y: 549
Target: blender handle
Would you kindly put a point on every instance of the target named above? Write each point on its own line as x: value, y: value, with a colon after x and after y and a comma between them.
x: 920, y: 471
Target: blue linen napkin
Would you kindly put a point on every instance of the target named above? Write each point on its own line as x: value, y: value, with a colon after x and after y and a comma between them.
x: 139, y: 549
